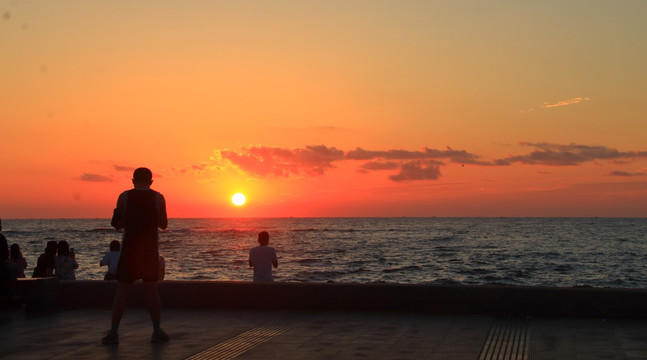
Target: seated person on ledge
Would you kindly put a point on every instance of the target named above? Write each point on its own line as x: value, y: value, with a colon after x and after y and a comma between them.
x: 262, y: 258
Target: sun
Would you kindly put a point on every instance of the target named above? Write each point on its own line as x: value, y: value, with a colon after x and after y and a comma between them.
x: 238, y: 199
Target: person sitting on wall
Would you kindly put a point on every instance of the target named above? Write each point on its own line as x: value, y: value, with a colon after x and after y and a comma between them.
x: 65, y: 262
x: 111, y: 259
x: 262, y: 258
x: 45, y: 264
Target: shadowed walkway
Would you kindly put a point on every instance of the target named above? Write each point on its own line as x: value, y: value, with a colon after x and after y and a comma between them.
x: 256, y: 334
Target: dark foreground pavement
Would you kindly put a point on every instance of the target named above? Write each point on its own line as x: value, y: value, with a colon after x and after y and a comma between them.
x: 266, y: 334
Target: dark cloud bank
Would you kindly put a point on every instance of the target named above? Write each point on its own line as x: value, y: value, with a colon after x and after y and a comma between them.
x: 406, y: 165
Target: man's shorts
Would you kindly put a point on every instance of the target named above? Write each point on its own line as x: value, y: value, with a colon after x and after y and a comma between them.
x: 133, y: 267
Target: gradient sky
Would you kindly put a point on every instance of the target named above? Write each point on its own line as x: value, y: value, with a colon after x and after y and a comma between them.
x: 325, y: 108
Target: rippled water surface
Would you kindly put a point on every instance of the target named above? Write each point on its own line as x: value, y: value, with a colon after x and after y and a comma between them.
x: 517, y: 251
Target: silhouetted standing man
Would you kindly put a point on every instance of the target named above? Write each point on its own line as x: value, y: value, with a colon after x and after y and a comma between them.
x: 140, y: 212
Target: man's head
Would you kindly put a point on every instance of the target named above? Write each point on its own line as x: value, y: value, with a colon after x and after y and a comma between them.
x: 263, y: 238
x: 142, y: 177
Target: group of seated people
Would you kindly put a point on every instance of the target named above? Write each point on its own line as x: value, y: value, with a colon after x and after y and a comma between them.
x: 57, y: 261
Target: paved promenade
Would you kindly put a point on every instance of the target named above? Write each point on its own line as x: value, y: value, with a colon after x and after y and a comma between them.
x: 256, y: 334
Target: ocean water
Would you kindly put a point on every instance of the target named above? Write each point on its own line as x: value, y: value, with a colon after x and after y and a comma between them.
x: 598, y: 252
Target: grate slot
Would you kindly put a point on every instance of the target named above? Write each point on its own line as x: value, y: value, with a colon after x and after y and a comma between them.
x: 507, y: 340
x: 238, y: 345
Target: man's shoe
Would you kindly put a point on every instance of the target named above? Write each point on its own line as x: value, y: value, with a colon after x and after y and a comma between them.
x: 110, y: 337
x: 159, y: 336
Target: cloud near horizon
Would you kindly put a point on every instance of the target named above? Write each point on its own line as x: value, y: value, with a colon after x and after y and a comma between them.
x: 625, y: 173
x: 98, y: 178
x: 124, y: 168
x: 88, y: 177
x: 409, y: 165
x: 570, y: 155
x: 264, y: 161
x: 417, y: 170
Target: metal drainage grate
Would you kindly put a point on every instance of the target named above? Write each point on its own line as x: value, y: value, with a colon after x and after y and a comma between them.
x: 238, y: 345
x: 508, y: 340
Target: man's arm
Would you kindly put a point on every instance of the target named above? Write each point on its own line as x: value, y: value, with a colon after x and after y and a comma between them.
x: 275, y: 261
x: 162, y: 221
x: 118, y: 214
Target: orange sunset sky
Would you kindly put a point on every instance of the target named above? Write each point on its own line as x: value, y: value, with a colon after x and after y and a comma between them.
x: 325, y: 108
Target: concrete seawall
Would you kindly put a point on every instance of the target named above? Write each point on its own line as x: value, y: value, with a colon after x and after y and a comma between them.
x: 500, y: 300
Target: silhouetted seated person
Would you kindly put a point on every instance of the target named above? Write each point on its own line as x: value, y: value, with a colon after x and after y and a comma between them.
x: 262, y: 258
x: 4, y: 256
x: 17, y: 263
x: 64, y: 262
x: 5, y: 276
x: 4, y: 259
x: 8, y: 294
x: 111, y: 259
x: 45, y: 264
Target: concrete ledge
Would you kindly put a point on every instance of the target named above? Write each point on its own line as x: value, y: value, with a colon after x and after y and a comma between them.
x: 38, y: 295
x: 500, y: 300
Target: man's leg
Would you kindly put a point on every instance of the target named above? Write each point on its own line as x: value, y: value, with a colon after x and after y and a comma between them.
x: 118, y: 308
x: 120, y: 302
x: 153, y: 302
x: 155, y: 309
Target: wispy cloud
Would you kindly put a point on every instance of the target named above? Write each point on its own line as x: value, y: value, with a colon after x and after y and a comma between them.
x: 575, y: 100
x: 549, y: 105
x: 194, y: 168
x: 626, y: 174
x: 95, y: 178
x: 131, y: 169
x: 124, y: 168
